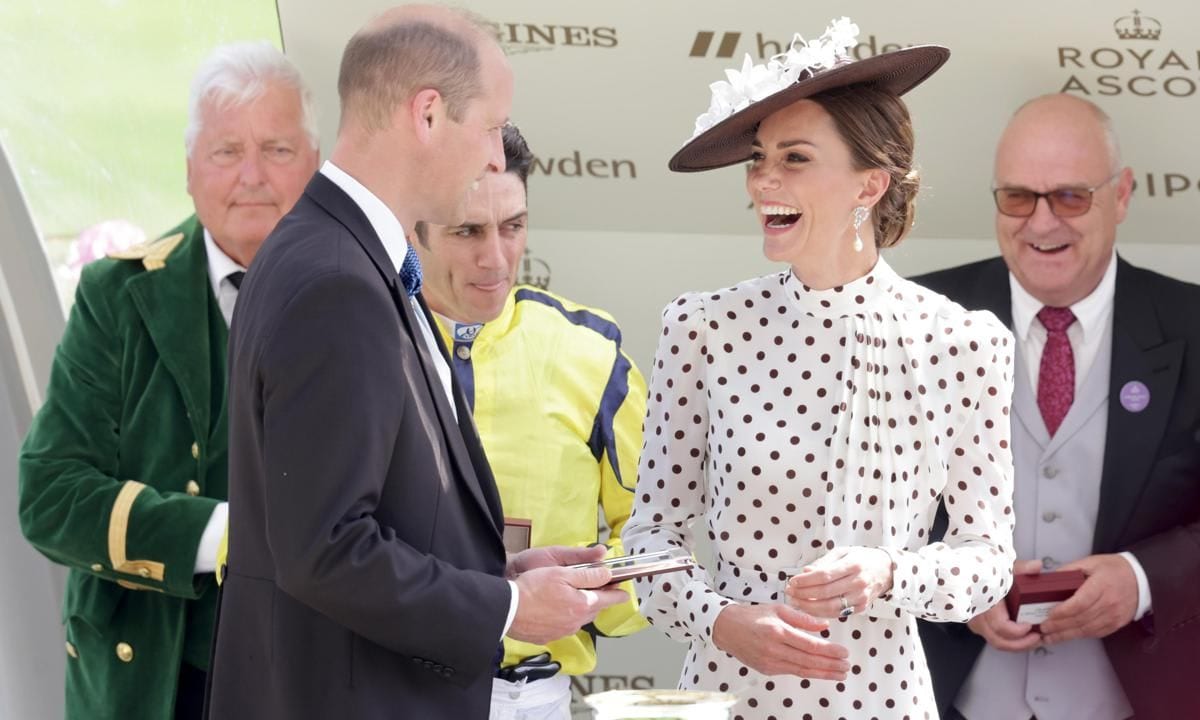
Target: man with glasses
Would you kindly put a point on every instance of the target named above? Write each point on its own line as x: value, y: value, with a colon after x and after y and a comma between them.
x: 1106, y: 443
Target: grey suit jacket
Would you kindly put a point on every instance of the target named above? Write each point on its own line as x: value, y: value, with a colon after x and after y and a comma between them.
x: 366, y: 566
x: 1149, y: 488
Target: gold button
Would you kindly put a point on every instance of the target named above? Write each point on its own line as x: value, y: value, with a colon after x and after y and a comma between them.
x: 463, y: 352
x: 97, y: 567
x: 125, y: 652
x: 193, y: 488
x: 71, y: 650
x: 195, y: 451
x: 144, y: 572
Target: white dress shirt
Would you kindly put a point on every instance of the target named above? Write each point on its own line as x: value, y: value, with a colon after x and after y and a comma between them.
x: 220, y: 266
x: 1093, y: 314
x: 391, y: 234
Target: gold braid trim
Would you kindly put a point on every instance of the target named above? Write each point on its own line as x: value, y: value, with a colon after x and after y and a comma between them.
x: 153, y: 254
x: 118, y: 529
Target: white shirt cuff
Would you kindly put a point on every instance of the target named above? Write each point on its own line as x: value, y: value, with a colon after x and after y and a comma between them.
x: 512, y: 608
x: 210, y: 540
x: 1143, y: 584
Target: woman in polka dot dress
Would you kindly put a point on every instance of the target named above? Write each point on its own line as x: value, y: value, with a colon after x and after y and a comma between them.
x: 808, y: 422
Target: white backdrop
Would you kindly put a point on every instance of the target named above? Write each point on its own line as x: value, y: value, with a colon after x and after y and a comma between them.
x: 607, y: 91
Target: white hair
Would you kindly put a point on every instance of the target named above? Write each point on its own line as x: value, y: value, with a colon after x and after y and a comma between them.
x: 238, y: 73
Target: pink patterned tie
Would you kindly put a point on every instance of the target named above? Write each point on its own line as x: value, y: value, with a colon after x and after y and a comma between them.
x: 1056, y: 377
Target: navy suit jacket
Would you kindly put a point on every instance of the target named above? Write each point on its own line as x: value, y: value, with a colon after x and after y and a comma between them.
x: 1149, y: 490
x: 365, y: 575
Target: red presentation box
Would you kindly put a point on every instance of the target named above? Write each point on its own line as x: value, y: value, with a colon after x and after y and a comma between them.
x: 517, y: 534
x: 1034, y: 595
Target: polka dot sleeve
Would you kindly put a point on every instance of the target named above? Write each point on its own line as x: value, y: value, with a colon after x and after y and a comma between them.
x: 971, y: 569
x: 671, y: 487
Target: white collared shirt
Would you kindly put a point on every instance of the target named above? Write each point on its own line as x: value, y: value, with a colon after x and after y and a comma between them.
x: 391, y: 233
x: 220, y: 266
x: 1093, y: 315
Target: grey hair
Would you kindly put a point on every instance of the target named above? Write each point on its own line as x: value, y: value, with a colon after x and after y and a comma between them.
x: 235, y: 74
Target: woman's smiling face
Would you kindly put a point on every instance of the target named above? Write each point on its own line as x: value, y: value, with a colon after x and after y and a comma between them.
x: 803, y: 183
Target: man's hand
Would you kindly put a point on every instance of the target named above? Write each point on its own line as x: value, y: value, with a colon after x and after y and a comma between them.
x: 551, y: 556
x: 774, y: 639
x: 856, y: 574
x: 1104, y: 603
x: 557, y: 601
x: 995, y: 626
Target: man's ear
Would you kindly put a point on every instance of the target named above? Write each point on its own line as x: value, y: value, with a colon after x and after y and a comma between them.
x: 426, y: 112
x: 1124, y: 193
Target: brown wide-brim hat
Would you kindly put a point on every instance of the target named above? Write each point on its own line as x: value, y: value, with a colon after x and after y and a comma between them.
x: 728, y: 142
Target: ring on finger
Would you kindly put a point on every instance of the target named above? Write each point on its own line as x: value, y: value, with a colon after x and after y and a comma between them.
x: 847, y: 608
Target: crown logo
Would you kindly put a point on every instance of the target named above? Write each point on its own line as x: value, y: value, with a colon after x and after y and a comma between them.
x: 1136, y: 27
x: 534, y: 272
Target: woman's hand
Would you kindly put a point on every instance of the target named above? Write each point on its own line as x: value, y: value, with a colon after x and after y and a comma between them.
x: 774, y: 639
x: 846, y: 579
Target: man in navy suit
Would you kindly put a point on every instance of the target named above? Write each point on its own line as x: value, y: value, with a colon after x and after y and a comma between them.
x: 366, y: 573
x: 1106, y: 443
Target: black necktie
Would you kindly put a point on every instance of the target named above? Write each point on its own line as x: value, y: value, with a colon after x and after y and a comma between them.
x: 235, y: 278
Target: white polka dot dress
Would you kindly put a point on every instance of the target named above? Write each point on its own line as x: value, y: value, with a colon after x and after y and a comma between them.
x: 784, y: 422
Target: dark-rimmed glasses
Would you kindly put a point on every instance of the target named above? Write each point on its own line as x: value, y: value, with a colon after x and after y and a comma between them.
x: 1067, y: 202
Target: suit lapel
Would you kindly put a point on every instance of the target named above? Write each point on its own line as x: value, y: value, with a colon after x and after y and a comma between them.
x: 1139, y: 355
x: 468, y: 433
x: 450, y: 428
x: 173, y: 304
x: 992, y: 291
x: 341, y: 206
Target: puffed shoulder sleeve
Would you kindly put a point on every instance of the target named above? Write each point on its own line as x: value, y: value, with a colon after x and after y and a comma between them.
x: 671, y: 489
x: 970, y: 570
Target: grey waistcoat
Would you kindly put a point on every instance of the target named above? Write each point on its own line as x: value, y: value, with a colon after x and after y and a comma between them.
x: 1056, y: 498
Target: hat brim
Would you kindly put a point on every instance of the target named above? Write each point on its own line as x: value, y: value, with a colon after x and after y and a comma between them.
x: 728, y: 142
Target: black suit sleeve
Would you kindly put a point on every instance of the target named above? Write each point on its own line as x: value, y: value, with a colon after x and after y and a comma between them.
x: 335, y: 400
x: 1171, y: 558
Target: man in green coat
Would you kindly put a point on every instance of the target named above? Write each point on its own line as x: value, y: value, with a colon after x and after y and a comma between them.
x: 123, y: 474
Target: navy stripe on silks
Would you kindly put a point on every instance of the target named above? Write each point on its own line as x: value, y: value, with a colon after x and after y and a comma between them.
x: 466, y: 373
x: 615, y: 390
x: 603, y: 435
x: 590, y: 320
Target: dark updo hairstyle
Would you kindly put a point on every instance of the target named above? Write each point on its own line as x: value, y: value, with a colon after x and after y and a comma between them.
x: 875, y: 124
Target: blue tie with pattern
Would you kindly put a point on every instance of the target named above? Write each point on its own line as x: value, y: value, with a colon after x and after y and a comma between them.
x: 410, y: 272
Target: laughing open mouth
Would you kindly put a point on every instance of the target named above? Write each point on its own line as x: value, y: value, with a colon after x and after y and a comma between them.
x: 780, y: 216
x: 1050, y: 249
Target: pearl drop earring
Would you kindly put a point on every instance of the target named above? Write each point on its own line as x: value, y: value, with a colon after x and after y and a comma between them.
x: 861, y: 213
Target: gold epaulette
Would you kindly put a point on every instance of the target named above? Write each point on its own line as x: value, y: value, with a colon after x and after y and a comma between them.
x: 153, y: 254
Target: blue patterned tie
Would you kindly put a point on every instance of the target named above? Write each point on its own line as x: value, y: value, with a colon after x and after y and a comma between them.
x: 410, y: 272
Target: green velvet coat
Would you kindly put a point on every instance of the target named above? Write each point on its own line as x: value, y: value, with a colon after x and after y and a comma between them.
x: 122, y: 469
